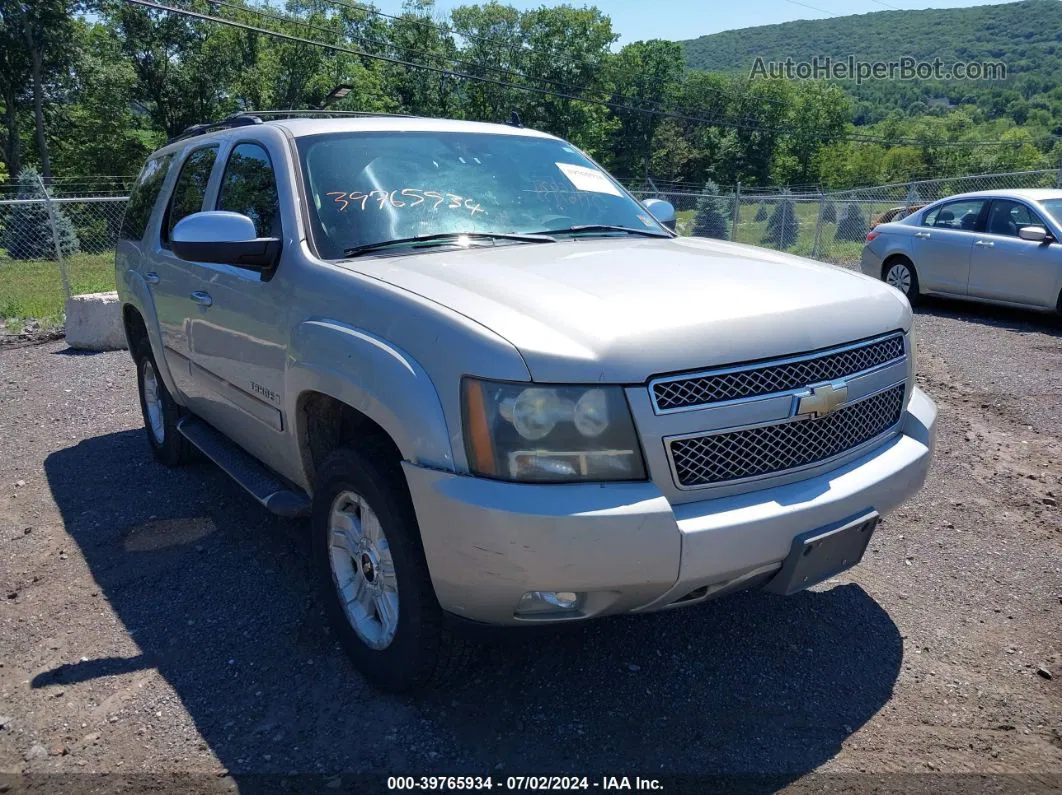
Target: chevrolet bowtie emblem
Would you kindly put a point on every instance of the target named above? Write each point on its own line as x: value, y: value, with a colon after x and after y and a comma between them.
x: 818, y: 401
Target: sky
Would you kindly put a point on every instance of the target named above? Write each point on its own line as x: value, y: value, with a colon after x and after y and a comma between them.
x: 686, y: 19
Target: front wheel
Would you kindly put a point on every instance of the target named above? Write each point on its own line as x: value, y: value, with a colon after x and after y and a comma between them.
x: 373, y: 575
x: 160, y: 411
x: 900, y: 273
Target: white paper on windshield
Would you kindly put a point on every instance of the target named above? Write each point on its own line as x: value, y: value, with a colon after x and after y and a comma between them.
x: 588, y: 179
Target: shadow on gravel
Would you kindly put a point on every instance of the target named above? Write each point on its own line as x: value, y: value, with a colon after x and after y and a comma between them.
x: 218, y: 595
x: 1024, y: 321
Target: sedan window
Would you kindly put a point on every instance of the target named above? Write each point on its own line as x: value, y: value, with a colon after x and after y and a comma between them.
x: 959, y: 215
x: 1007, y: 217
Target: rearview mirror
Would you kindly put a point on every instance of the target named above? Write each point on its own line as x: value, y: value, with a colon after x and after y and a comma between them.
x: 226, y: 238
x: 1034, y: 234
x: 662, y: 211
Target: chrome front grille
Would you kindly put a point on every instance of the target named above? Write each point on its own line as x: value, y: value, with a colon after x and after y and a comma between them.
x: 676, y: 393
x: 767, y: 449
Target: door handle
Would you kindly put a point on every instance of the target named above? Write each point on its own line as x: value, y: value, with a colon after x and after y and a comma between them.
x: 201, y: 298
x: 985, y: 243
x: 152, y: 278
x: 922, y: 235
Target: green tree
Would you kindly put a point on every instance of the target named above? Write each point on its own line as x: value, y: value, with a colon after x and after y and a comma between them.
x: 645, y: 74
x: 27, y: 233
x: 186, y: 69
x: 494, y: 50
x: 97, y: 131
x: 415, y: 37
x: 783, y: 227
x: 829, y: 213
x: 762, y: 214
x: 569, y: 46
x: 41, y: 33
x: 820, y: 113
x: 710, y: 220
x: 853, y: 224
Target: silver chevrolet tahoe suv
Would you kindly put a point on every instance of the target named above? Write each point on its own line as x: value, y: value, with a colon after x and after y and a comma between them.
x: 502, y: 388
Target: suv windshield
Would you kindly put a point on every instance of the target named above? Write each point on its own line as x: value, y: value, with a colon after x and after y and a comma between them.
x: 372, y: 187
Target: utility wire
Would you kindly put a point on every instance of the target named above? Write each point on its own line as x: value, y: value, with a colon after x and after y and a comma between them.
x: 855, y: 137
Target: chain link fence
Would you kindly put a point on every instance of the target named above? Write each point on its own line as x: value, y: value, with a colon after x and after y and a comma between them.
x: 55, y: 242
x: 828, y: 226
x: 59, y: 241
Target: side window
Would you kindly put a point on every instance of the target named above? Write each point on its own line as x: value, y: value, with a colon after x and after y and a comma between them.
x: 961, y: 215
x: 250, y: 187
x: 1007, y: 217
x: 190, y: 190
x: 143, y: 197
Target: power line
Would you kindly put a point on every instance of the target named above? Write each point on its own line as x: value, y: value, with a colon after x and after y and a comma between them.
x: 854, y: 137
x: 813, y: 8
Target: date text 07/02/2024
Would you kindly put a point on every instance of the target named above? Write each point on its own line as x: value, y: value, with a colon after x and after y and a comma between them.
x: 518, y: 783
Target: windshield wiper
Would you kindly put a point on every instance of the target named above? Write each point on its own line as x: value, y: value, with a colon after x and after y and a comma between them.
x: 580, y: 228
x: 446, y: 237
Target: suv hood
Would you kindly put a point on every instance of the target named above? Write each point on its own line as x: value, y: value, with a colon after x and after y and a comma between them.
x: 620, y: 310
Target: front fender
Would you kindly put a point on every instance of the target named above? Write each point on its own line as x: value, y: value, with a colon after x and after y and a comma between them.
x: 137, y: 294
x: 378, y: 379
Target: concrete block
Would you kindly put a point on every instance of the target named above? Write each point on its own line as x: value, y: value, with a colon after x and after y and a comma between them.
x: 94, y: 322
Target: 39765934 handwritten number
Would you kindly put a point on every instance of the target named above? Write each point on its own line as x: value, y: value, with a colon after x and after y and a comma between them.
x: 410, y: 197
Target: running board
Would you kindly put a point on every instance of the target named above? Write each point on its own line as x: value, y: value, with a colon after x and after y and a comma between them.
x: 246, y: 470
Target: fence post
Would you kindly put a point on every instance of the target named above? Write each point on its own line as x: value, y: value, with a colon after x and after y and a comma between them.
x: 737, y: 211
x: 1058, y: 179
x: 55, y: 238
x: 818, y: 225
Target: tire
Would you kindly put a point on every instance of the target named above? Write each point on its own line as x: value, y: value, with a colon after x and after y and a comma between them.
x: 900, y: 273
x: 159, y: 410
x: 379, y: 598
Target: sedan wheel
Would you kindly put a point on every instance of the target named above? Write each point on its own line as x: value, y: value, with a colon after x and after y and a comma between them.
x: 899, y: 276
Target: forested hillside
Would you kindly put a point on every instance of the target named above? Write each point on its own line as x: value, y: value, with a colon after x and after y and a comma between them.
x: 1025, y: 36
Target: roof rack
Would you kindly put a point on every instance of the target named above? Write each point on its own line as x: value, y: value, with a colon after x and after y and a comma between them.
x: 324, y: 112
x: 236, y: 120
x: 246, y: 118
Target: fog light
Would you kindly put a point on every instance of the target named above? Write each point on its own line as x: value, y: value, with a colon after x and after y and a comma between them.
x: 547, y: 601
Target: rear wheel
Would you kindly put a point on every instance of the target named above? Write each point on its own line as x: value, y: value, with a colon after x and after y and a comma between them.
x: 373, y: 576
x: 160, y: 411
x: 900, y: 273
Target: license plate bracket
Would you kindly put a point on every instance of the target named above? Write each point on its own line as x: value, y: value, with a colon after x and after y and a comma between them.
x: 824, y: 552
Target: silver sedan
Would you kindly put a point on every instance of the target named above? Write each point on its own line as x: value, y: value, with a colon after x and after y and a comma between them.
x: 1001, y: 247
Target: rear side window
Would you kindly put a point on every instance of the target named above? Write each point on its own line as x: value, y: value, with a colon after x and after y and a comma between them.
x: 143, y: 197
x: 190, y: 190
x: 960, y: 215
x: 250, y: 187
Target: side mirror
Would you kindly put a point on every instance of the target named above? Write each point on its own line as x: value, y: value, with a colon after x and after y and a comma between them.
x: 662, y: 211
x: 226, y: 238
x: 1034, y: 234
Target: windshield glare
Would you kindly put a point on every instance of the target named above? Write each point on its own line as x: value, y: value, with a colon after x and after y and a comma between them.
x: 1054, y: 207
x: 373, y: 187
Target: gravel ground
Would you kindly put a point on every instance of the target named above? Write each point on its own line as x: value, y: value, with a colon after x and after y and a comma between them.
x: 160, y: 623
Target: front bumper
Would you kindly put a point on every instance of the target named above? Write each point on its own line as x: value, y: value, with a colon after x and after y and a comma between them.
x: 625, y: 546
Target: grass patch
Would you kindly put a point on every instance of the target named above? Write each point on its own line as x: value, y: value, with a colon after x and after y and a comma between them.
x: 33, y: 289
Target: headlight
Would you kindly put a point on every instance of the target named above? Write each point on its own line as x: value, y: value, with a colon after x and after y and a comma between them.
x: 549, y: 434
